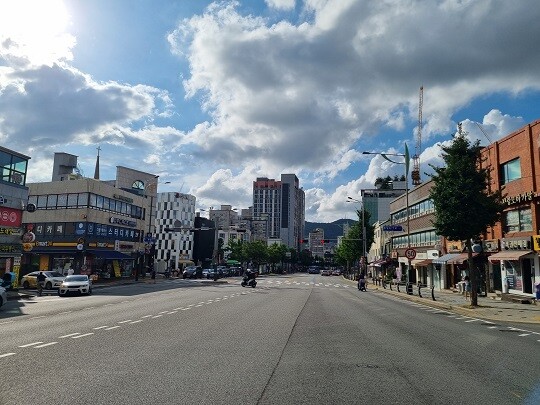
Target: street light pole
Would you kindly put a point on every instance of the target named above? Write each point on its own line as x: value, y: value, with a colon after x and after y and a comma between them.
x: 406, y: 162
x: 364, y: 234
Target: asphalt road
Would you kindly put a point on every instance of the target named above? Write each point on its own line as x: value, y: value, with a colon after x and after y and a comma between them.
x: 300, y: 339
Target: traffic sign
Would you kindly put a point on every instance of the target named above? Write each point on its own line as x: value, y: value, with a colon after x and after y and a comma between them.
x: 392, y: 228
x: 410, y: 254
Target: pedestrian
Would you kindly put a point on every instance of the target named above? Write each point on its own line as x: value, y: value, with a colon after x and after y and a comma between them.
x: 70, y: 271
x: 153, y: 275
x: 467, y: 287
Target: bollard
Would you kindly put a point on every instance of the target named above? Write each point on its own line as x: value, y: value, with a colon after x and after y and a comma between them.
x: 409, y: 289
x: 433, y: 293
x: 419, y: 290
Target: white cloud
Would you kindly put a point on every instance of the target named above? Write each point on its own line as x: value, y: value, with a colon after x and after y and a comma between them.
x: 281, y: 4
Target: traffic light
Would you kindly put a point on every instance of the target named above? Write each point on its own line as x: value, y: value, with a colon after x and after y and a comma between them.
x: 303, y: 241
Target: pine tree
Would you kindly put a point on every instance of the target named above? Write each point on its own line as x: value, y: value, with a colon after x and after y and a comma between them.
x: 464, y: 208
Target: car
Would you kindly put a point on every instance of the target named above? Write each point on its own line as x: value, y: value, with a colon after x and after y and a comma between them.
x: 3, y: 296
x: 76, y: 283
x: 313, y: 270
x: 326, y: 272
x: 53, y: 280
x: 192, y: 272
x: 336, y: 272
x: 205, y: 273
x: 234, y: 271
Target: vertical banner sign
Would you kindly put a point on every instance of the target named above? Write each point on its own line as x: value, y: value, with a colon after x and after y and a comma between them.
x: 116, y: 266
x: 16, y: 269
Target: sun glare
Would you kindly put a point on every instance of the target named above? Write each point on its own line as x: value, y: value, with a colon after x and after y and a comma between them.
x: 36, y: 30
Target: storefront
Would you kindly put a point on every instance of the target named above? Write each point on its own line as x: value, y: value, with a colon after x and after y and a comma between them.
x: 517, y: 269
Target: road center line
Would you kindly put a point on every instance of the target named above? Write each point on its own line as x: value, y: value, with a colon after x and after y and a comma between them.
x: 70, y: 335
x: 83, y: 335
x: 31, y: 344
x: 45, y: 345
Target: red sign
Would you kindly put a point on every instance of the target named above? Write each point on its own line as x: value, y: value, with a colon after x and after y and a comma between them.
x: 410, y: 254
x: 10, y: 217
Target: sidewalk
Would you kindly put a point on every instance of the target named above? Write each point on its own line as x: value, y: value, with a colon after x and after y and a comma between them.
x: 489, y: 309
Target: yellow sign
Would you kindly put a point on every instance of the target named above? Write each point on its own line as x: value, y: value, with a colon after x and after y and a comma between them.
x: 116, y: 266
x: 536, y: 242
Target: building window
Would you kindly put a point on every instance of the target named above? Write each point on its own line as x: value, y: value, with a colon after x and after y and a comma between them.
x: 511, y: 171
x: 518, y: 220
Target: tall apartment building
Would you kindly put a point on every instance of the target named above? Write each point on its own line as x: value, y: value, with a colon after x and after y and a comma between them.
x: 282, y: 203
x: 377, y: 201
x: 174, y: 248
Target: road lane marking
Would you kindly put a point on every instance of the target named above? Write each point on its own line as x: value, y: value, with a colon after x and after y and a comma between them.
x: 162, y: 312
x: 146, y: 316
x: 472, y: 320
x: 3, y: 323
x: 87, y: 308
x: 101, y: 327
x: 178, y: 309
x: 31, y: 344
x: 492, y: 327
x: 45, y: 345
x: 70, y: 335
x: 38, y: 317
x: 7, y: 354
x: 157, y: 316
x: 112, y: 327
x: 524, y: 334
x: 185, y: 309
x: 140, y: 320
x: 83, y: 335
x: 126, y: 321
x: 172, y: 312
x: 200, y: 305
x: 66, y: 312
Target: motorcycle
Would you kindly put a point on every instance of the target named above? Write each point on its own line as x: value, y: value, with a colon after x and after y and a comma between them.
x: 248, y: 282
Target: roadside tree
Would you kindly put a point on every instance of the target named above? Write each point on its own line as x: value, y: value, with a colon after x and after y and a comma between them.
x: 464, y: 208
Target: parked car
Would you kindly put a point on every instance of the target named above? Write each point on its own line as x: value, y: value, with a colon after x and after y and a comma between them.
x: 3, y: 296
x: 192, y: 272
x: 79, y: 284
x: 235, y: 271
x: 313, y: 270
x: 205, y: 273
x: 336, y: 272
x: 53, y: 279
x: 326, y: 272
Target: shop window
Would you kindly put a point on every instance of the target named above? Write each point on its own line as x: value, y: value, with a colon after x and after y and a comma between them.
x: 511, y: 171
x: 518, y: 220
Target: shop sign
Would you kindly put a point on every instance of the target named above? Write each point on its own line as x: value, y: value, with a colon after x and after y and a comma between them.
x: 516, y: 244
x: 10, y: 231
x: 490, y: 245
x: 516, y: 199
x: 10, y: 248
x: 122, y: 198
x: 454, y: 246
x: 536, y: 242
x: 10, y: 217
x: 122, y: 221
x: 394, y: 254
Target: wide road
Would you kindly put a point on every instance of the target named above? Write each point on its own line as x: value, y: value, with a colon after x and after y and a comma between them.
x: 297, y: 339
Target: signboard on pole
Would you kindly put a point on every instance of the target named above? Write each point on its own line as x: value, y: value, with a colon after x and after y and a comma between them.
x: 410, y: 254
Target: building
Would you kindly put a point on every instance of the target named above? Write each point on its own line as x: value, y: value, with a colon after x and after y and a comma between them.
x: 283, y: 204
x: 174, y: 249
x: 95, y: 227
x: 513, y: 244
x: 377, y: 201
x: 225, y: 217
x: 316, y: 243
x: 13, y: 202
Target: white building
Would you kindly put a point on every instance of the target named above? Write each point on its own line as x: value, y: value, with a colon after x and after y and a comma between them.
x: 174, y: 248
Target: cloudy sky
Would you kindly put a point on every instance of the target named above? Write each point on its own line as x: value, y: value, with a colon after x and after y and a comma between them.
x: 211, y: 95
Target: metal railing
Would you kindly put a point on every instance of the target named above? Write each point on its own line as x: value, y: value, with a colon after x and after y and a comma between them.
x: 409, y: 288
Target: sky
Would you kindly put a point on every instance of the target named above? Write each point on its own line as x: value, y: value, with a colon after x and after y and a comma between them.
x: 211, y: 95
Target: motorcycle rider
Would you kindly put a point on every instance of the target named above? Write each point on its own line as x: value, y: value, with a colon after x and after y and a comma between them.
x: 362, y: 282
x: 249, y: 275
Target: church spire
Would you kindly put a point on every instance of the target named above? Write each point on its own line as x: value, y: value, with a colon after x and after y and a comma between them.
x: 96, y: 171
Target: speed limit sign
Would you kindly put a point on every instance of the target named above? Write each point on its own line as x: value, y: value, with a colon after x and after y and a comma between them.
x: 410, y: 254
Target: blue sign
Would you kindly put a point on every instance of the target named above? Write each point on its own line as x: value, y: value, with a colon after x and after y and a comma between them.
x: 392, y: 228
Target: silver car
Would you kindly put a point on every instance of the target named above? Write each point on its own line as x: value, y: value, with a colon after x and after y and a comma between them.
x: 3, y: 296
x: 79, y: 284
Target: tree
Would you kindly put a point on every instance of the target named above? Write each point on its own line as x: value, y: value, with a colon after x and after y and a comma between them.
x: 464, y: 208
x: 256, y: 251
x: 236, y: 250
x: 352, y: 246
x: 383, y: 183
x: 277, y: 253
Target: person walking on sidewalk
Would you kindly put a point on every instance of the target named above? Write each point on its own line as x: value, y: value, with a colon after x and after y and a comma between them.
x: 467, y: 287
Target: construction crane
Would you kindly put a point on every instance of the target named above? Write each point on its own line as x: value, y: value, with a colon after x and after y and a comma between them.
x: 415, y: 173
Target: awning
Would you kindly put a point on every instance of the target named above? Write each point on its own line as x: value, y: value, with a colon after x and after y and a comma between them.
x: 233, y: 262
x: 509, y: 255
x: 50, y: 251
x: 423, y: 263
x: 443, y: 259
x: 109, y: 254
x: 378, y: 263
x: 460, y: 259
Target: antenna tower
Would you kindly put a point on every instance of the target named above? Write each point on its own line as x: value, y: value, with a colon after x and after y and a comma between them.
x: 415, y: 173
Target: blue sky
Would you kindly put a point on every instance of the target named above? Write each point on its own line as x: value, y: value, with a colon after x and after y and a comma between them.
x: 211, y: 95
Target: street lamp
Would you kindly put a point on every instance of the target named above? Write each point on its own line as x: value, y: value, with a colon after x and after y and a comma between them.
x: 406, y: 163
x: 364, y: 244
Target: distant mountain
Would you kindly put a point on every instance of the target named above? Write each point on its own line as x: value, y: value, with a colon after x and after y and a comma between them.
x: 331, y: 230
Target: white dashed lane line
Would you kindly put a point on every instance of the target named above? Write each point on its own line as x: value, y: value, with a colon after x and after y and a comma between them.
x: 83, y: 335
x: 7, y: 354
x: 140, y: 320
x: 112, y: 327
x: 126, y: 321
x: 30, y: 344
x: 101, y: 327
x: 70, y: 335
